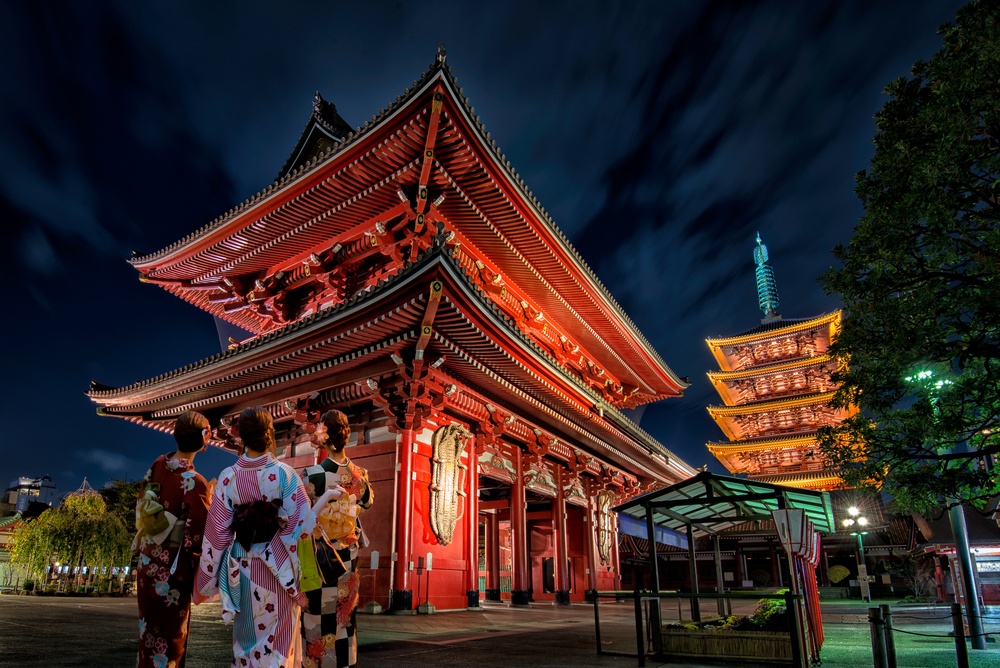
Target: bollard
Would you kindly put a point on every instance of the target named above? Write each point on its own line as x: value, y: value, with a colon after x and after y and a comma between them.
x: 876, y: 626
x: 961, y: 651
x: 890, y: 641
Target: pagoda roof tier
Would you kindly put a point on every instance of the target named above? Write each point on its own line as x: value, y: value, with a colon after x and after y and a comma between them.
x: 424, y: 160
x: 777, y: 417
x: 752, y: 455
x: 471, y: 341
x: 803, y: 376
x: 791, y: 441
x: 734, y: 353
x: 822, y: 481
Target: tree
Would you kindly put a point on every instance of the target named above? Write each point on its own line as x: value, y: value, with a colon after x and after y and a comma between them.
x: 916, y: 570
x: 920, y: 345
x: 120, y: 496
x: 80, y: 532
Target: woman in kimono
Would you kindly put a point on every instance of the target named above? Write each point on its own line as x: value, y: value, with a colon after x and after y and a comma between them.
x: 249, y: 557
x: 329, y: 619
x: 170, y: 516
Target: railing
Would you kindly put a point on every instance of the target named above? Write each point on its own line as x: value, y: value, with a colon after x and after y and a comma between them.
x: 933, y: 622
x: 649, y: 616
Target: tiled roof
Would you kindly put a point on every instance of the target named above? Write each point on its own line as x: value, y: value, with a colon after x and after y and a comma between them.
x: 774, y: 326
x: 438, y: 69
x: 101, y: 394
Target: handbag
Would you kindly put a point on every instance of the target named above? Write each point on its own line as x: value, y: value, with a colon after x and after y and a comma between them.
x: 311, y: 579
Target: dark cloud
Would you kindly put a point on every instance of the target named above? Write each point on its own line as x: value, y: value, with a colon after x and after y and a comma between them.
x: 661, y: 137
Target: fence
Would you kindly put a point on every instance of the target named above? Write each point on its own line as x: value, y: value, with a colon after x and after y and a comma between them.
x: 653, y: 634
x: 884, y: 624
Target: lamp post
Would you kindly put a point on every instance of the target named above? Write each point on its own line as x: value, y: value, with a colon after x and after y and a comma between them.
x: 956, y: 515
x: 858, y: 525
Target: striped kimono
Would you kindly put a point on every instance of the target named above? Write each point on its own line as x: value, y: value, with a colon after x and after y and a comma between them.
x: 258, y: 587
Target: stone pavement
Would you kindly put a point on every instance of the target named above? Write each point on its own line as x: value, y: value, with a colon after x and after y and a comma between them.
x: 64, y: 632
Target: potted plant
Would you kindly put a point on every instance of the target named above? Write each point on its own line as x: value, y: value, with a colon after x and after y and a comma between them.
x: 760, y: 636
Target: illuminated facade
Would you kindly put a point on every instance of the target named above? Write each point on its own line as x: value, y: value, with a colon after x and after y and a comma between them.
x: 775, y: 385
x: 403, y: 273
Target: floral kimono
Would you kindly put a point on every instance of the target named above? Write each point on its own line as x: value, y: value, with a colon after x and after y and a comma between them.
x: 329, y: 619
x: 166, y: 571
x: 259, y: 512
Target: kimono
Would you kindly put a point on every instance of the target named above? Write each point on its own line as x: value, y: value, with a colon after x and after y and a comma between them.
x: 328, y: 622
x: 257, y: 580
x: 166, y: 571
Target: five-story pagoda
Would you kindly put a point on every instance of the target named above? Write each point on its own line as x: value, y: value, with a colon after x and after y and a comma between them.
x: 775, y: 384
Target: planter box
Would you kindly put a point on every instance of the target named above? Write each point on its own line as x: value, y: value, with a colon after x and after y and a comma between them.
x: 742, y: 645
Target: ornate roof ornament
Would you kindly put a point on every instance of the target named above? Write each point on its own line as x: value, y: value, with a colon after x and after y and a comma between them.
x: 767, y: 289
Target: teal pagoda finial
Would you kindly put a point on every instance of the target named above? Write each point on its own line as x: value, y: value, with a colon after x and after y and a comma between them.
x: 767, y: 289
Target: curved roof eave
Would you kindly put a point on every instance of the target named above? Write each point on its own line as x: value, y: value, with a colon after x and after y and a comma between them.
x: 438, y: 71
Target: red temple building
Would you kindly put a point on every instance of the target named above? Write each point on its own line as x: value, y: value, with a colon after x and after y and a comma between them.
x: 403, y: 273
x: 776, y: 389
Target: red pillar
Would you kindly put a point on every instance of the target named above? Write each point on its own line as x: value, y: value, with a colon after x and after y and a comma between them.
x: 401, y: 596
x: 472, y: 528
x: 492, y: 557
x: 590, y: 536
x: 520, y: 595
x: 559, y: 529
x: 615, y: 562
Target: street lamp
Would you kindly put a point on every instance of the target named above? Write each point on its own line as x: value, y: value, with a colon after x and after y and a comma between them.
x: 956, y: 514
x: 857, y: 524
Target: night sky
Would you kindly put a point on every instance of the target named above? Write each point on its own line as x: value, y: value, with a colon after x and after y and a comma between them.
x: 660, y: 136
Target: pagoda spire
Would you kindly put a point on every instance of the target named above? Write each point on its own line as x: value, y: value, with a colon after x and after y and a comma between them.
x: 767, y: 289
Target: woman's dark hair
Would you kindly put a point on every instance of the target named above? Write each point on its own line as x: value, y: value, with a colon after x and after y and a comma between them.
x: 256, y: 430
x: 338, y: 430
x: 188, y: 432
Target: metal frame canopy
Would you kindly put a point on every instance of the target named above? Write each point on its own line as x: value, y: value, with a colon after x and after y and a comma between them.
x: 710, y: 504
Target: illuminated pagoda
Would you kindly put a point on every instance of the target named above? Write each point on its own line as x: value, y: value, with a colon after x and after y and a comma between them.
x: 402, y: 272
x: 775, y: 384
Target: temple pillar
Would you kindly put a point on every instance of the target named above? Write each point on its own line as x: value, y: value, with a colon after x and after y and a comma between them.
x: 615, y: 562
x: 492, y: 558
x: 472, y: 527
x: 590, y: 538
x: 560, y: 538
x: 401, y: 595
x: 740, y: 570
x: 775, y: 565
x: 520, y: 595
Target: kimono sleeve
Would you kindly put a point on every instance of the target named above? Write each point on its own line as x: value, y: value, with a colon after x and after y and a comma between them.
x: 367, y: 497
x: 218, y: 535
x: 198, y: 500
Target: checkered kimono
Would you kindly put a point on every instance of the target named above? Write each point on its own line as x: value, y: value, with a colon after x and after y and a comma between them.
x: 328, y: 622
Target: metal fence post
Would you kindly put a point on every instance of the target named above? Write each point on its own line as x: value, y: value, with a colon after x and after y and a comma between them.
x: 961, y: 651
x: 597, y: 621
x: 792, y: 614
x: 877, y: 628
x: 890, y: 641
x: 640, y: 637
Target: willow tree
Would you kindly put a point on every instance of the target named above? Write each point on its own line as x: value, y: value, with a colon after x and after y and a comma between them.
x: 920, y: 286
x: 80, y: 532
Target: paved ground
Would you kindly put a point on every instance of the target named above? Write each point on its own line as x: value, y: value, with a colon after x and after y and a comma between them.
x: 60, y: 632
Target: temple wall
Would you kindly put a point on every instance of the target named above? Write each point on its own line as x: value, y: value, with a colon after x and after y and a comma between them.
x: 377, y: 454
